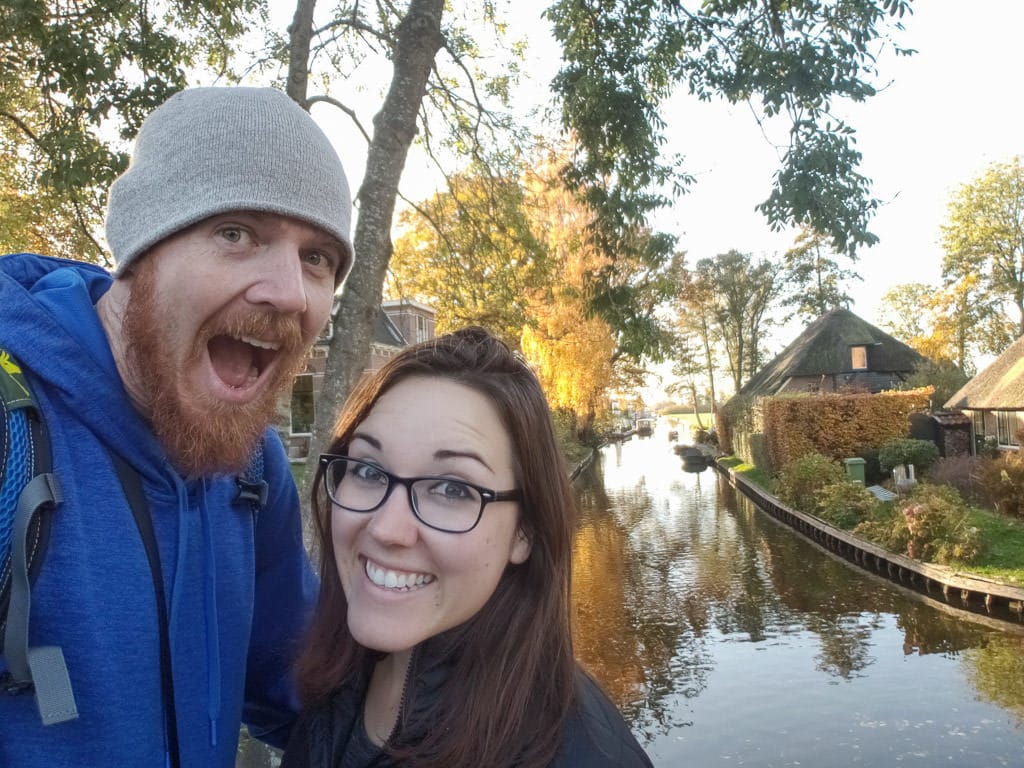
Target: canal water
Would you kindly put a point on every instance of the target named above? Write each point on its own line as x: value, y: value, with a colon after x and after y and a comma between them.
x: 727, y: 639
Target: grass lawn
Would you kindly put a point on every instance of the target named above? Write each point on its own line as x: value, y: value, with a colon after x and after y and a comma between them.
x: 686, y: 423
x: 1003, y: 555
x: 749, y: 471
x: 1003, y: 558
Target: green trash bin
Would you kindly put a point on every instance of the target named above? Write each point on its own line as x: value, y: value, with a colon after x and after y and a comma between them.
x: 855, y: 469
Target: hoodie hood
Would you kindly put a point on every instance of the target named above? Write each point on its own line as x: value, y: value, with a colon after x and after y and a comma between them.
x: 53, y: 328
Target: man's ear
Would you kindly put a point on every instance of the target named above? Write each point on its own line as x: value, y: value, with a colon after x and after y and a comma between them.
x: 521, y: 547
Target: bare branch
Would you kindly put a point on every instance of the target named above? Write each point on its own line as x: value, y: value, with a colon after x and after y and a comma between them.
x: 347, y: 110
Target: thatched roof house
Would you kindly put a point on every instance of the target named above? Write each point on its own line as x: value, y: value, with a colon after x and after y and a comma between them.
x: 995, y: 398
x: 1000, y: 387
x: 837, y: 352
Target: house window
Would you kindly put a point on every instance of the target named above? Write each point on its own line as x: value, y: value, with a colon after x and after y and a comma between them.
x: 859, y: 357
x: 979, y: 425
x: 1007, y: 425
x: 302, y: 404
x: 421, y: 328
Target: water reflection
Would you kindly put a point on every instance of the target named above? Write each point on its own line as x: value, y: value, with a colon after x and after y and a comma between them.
x: 726, y: 637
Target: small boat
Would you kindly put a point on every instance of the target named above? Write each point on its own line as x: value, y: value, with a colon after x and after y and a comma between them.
x: 694, y: 460
x: 673, y: 436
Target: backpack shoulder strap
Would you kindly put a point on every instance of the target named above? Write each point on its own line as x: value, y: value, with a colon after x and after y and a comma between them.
x: 252, y: 484
x: 29, y: 493
x: 131, y: 483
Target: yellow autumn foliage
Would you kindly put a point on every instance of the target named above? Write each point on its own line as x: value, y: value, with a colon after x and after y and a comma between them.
x: 572, y: 356
x: 571, y: 351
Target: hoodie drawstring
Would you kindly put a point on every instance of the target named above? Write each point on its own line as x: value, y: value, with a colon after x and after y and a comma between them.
x: 212, y: 624
x: 210, y: 596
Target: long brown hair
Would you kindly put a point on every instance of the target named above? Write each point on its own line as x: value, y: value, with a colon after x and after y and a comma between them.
x: 512, y: 683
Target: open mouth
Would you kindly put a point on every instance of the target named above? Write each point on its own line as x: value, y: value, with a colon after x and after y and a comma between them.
x: 240, y: 361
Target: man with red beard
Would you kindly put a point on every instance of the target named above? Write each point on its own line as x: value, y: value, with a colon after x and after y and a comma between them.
x: 231, y: 233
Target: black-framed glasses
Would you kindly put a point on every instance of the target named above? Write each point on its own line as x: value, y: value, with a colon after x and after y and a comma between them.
x: 442, y: 503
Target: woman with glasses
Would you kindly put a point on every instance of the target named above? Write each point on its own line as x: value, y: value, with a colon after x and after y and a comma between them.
x: 445, y: 520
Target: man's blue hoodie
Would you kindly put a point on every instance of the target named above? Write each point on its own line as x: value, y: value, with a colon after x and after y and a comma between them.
x: 238, y: 589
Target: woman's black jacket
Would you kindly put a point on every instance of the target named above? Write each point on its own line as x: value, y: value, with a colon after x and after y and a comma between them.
x: 594, y: 735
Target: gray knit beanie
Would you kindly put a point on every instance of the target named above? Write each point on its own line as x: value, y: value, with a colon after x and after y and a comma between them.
x: 207, y: 151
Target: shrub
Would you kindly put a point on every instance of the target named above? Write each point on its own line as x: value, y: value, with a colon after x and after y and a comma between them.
x: 801, y: 480
x: 962, y: 473
x: 873, y: 473
x: 886, y: 528
x: 1002, y: 481
x: 705, y: 436
x: 931, y: 525
x: 845, y: 504
x: 906, y: 450
x: 988, y: 447
x: 937, y: 520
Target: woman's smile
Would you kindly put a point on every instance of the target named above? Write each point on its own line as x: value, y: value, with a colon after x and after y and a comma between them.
x: 387, y: 578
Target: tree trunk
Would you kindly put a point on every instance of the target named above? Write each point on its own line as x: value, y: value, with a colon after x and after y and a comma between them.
x: 705, y: 335
x: 299, y: 35
x: 696, y: 405
x: 418, y: 39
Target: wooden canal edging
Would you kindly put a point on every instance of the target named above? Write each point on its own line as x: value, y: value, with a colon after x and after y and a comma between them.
x: 575, y: 471
x: 969, y: 593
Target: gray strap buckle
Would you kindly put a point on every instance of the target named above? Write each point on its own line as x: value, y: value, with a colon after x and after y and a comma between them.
x: 43, y: 667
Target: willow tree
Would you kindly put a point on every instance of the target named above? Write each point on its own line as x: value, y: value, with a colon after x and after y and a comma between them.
x: 510, y: 253
x: 576, y: 353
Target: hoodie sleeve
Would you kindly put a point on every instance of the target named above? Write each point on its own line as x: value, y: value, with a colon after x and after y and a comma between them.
x: 285, y: 592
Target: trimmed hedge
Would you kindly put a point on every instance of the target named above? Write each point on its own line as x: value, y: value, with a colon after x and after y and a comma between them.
x: 836, y: 425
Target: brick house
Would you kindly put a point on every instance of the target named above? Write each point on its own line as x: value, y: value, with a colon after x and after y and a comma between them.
x: 399, y: 323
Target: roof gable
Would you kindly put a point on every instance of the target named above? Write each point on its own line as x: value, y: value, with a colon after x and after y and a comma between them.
x: 385, y: 332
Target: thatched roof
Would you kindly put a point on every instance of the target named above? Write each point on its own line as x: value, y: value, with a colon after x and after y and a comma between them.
x: 1000, y: 387
x: 823, y: 349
